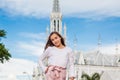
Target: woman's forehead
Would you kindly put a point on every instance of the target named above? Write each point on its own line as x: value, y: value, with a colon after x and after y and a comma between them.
x: 54, y: 35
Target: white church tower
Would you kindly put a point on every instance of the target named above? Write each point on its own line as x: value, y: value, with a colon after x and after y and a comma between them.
x: 56, y: 20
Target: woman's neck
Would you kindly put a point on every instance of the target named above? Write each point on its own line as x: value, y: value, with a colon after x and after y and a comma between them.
x: 60, y: 46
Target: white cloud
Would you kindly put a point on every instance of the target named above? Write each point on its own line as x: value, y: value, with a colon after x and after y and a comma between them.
x: 32, y: 44
x: 34, y: 47
x: 38, y: 36
x: 109, y: 49
x: 75, y: 8
x: 37, y: 8
x: 16, y: 67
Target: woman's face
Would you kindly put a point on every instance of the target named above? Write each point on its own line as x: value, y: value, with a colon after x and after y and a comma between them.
x: 56, y: 40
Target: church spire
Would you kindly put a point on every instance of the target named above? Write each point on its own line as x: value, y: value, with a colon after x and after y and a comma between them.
x: 99, y: 43
x: 56, y: 7
x: 116, y: 47
x: 56, y: 18
x: 65, y: 29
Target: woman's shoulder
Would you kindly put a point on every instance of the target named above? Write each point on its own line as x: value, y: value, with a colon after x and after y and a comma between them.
x: 68, y: 48
x: 49, y: 48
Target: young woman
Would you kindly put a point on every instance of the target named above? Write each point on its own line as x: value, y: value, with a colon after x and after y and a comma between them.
x: 59, y: 58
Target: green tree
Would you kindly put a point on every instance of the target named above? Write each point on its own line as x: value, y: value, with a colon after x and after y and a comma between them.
x: 2, y: 33
x: 4, y: 54
x: 85, y: 77
x: 95, y: 76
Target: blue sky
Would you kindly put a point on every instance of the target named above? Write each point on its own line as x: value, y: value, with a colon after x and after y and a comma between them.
x: 25, y: 23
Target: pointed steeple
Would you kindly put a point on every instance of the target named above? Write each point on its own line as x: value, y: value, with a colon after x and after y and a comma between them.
x: 47, y: 32
x: 99, y: 43
x: 99, y: 59
x: 116, y: 47
x: 65, y: 35
x: 56, y: 7
x: 56, y: 18
x: 75, y: 42
x: 74, y: 50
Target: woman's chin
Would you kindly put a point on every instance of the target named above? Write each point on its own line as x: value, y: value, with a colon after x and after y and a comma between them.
x: 57, y: 45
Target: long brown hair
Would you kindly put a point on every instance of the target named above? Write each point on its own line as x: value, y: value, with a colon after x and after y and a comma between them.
x: 49, y: 42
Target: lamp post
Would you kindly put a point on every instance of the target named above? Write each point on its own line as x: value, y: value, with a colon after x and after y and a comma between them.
x: 27, y: 75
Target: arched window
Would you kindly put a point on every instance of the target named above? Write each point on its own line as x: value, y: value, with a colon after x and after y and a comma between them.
x: 54, y: 25
x: 58, y: 25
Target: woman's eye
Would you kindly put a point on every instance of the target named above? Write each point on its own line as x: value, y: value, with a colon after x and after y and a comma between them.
x: 52, y: 39
x: 55, y: 37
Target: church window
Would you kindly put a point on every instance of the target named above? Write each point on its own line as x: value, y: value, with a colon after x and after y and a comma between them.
x: 54, y: 25
x: 58, y: 25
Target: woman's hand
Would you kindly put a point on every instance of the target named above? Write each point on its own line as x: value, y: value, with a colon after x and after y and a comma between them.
x: 46, y: 70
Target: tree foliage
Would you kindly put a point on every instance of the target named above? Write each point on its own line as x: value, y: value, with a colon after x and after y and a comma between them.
x: 95, y: 76
x: 4, y: 54
x: 2, y: 33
